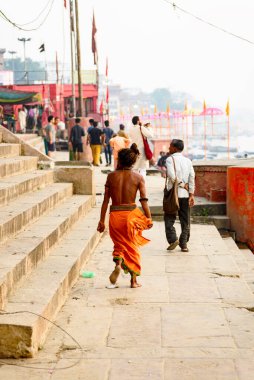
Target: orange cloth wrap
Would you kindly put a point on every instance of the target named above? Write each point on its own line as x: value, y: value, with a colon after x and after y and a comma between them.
x: 125, y: 228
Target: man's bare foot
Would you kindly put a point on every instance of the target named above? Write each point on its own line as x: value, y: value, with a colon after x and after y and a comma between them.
x: 115, y: 274
x: 135, y: 285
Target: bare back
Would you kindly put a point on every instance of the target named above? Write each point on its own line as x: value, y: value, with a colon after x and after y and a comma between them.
x: 122, y: 186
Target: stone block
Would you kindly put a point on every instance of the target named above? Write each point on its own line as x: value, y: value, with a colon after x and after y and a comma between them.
x: 26, y: 148
x: 13, y: 187
x: 195, y: 325
x: 221, y: 222
x: 9, y: 150
x: 17, y: 165
x: 82, y: 178
x: 23, y: 211
x: 200, y: 369
x: 218, y: 195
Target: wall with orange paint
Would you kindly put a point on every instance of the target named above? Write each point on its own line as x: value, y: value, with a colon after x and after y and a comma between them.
x: 240, y: 201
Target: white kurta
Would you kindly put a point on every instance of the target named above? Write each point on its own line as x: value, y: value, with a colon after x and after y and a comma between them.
x: 22, y: 120
x: 136, y: 137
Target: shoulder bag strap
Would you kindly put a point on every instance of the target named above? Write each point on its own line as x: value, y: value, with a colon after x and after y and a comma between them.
x: 174, y: 164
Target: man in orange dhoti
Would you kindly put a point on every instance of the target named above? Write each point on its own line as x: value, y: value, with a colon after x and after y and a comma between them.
x: 126, y: 221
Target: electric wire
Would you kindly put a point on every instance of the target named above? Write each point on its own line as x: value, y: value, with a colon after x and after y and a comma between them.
x: 37, y: 17
x: 2, y: 362
x: 3, y: 15
x: 208, y: 22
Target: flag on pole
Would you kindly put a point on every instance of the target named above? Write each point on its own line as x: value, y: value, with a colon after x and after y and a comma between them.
x: 101, y: 107
x: 227, y: 108
x: 94, y: 45
x: 107, y: 95
x: 107, y: 67
x: 107, y: 91
x: 204, y: 107
x: 42, y: 48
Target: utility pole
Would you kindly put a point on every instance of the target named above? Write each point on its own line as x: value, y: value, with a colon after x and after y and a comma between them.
x: 73, y: 97
x: 80, y: 88
x: 24, y: 40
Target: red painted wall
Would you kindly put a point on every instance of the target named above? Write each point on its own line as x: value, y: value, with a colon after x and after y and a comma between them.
x: 240, y: 201
x: 211, y: 180
x: 160, y: 145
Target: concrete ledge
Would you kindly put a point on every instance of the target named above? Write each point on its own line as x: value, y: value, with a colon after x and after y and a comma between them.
x: 73, y: 163
x: 203, y: 210
x: 26, y: 148
x: 82, y: 178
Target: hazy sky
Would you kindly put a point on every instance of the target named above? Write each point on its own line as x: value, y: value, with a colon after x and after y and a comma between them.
x: 150, y: 45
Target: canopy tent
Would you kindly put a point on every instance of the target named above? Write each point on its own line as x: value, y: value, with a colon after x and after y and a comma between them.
x: 8, y: 96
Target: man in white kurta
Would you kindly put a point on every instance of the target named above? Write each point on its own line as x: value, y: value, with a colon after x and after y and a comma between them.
x: 22, y: 120
x: 136, y: 137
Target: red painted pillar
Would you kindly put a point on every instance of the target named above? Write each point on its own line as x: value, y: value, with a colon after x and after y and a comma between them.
x: 240, y: 201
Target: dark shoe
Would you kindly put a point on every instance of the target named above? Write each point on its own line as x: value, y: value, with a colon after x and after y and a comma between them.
x: 184, y: 248
x: 173, y: 245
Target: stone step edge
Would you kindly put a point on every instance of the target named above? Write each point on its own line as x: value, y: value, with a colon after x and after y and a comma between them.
x: 12, y: 150
x: 24, y: 339
x: 14, y: 189
x: 22, y: 219
x: 20, y: 164
x: 41, y: 249
x: 232, y: 246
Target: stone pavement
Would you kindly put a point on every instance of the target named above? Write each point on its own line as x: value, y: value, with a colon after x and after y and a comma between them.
x: 192, y: 319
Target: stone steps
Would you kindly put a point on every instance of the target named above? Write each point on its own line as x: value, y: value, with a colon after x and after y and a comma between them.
x: 244, y: 259
x: 13, y: 187
x: 21, y: 334
x: 20, y: 256
x: 34, y: 140
x: 28, y: 136
x: 27, y: 208
x: 17, y: 165
x: 9, y: 150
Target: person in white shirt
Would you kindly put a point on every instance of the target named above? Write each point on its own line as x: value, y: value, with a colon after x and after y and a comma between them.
x: 185, y: 175
x: 136, y: 137
x: 22, y: 120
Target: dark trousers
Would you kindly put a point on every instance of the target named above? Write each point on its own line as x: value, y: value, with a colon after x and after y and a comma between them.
x: 108, y: 153
x: 184, y: 217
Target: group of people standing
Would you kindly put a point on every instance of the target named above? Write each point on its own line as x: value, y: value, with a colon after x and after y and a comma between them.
x: 126, y: 221
x: 113, y: 142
